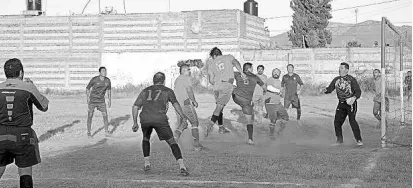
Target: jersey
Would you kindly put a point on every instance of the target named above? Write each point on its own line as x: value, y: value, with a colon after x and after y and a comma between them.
x: 273, y: 97
x: 99, y: 87
x: 222, y: 69
x: 181, y: 84
x: 345, y: 86
x: 245, y: 87
x: 16, y: 103
x: 290, y: 84
x: 154, y: 102
x: 258, y: 90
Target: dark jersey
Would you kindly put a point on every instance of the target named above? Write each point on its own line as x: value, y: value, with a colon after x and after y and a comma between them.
x: 99, y: 87
x: 290, y: 84
x: 154, y: 103
x: 345, y: 86
x: 245, y: 88
x: 16, y: 103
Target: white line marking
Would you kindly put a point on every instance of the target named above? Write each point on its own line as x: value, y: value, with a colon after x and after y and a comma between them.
x: 165, y: 181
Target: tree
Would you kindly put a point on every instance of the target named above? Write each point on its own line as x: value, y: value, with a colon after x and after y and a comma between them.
x: 310, y: 20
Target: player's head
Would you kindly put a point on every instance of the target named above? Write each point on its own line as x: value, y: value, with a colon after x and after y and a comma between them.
x: 247, y: 67
x: 185, y: 70
x: 215, y: 52
x: 276, y: 73
x: 290, y: 68
x: 409, y: 73
x: 159, y: 78
x: 102, y: 71
x: 376, y: 73
x: 260, y: 69
x: 344, y: 67
x: 13, y: 68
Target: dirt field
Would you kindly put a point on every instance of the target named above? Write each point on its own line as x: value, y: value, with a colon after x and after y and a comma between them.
x: 301, y: 157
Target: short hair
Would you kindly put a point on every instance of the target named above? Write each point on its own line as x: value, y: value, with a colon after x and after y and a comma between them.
x: 345, y: 65
x: 215, y: 52
x: 159, y: 78
x: 12, y: 68
x: 101, y: 68
x: 246, y: 66
x: 181, y: 68
x: 290, y: 65
x: 262, y: 66
x: 378, y: 70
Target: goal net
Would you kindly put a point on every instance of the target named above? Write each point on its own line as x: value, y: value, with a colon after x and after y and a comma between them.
x: 396, y: 59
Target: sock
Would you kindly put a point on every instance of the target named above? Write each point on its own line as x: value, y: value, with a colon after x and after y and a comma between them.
x: 250, y: 130
x: 298, y: 113
x: 272, y: 129
x: 147, y: 162
x: 195, y: 135
x: 106, y: 123
x: 177, y: 134
x: 214, y: 118
x: 176, y: 151
x: 146, y: 147
x: 26, y: 181
x: 181, y: 164
x: 221, y: 119
x: 89, y: 122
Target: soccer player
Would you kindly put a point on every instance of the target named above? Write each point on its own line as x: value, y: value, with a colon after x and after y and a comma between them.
x: 258, y: 98
x: 348, y: 91
x: 220, y: 70
x: 292, y: 85
x: 186, y: 98
x: 377, y: 98
x: 243, y: 93
x: 276, y: 112
x: 18, y: 141
x: 153, y: 101
x: 95, y: 94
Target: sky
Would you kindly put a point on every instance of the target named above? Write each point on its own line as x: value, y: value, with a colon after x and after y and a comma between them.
x: 398, y: 12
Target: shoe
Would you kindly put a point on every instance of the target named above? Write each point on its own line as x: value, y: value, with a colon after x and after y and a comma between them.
x: 146, y: 168
x: 250, y: 142
x: 338, y: 143
x: 359, y: 143
x: 209, y: 129
x: 200, y: 148
x: 272, y: 137
x: 223, y: 130
x: 184, y: 172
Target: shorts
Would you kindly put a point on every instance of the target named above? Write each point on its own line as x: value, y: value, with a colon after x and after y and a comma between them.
x: 100, y: 106
x: 222, y: 93
x: 190, y: 112
x: 276, y: 112
x: 163, y: 131
x: 292, y: 100
x: 19, y: 144
x: 258, y: 101
x: 246, y: 105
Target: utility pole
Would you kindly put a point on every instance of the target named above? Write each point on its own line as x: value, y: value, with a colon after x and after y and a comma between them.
x: 99, y: 8
x: 357, y: 11
x: 169, y: 5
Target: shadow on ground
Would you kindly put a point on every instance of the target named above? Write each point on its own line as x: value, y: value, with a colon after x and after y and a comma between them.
x: 50, y: 133
x: 115, y: 123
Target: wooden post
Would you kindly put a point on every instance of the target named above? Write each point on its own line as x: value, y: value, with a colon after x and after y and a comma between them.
x: 239, y: 29
x: 199, y: 34
x: 186, y: 30
x: 21, y: 35
x: 68, y: 59
x: 101, y: 46
x: 159, y: 32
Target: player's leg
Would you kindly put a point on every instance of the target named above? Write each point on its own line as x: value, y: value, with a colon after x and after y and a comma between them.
x: 377, y: 112
x: 282, y: 118
x: 352, y: 111
x: 102, y: 108
x: 287, y: 104
x: 193, y: 119
x: 296, y: 104
x: 146, y: 146
x: 91, y: 110
x: 165, y: 133
x: 248, y: 111
x: 180, y: 127
x: 339, y: 118
x: 26, y: 180
x: 224, y: 97
x: 270, y: 107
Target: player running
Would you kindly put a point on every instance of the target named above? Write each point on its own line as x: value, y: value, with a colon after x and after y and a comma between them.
x: 377, y: 98
x: 243, y: 93
x: 153, y: 101
x: 186, y: 98
x: 18, y: 141
x: 258, y: 98
x: 95, y: 94
x: 292, y: 85
x: 276, y: 112
x: 348, y: 91
x: 220, y: 70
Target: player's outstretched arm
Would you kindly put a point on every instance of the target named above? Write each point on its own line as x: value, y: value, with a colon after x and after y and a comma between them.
x: 109, y: 93
x: 237, y: 65
x: 40, y: 101
x: 135, y: 113
x: 330, y: 87
x: 356, y: 88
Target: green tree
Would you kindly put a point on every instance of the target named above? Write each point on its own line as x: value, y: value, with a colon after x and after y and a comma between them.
x: 310, y: 20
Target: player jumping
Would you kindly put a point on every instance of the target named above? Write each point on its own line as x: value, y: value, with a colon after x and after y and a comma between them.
x: 18, y: 141
x: 258, y: 98
x: 95, y: 94
x: 153, y: 101
x: 377, y: 98
x: 292, y: 85
x: 276, y: 112
x: 243, y: 93
x: 220, y: 70
x: 186, y: 98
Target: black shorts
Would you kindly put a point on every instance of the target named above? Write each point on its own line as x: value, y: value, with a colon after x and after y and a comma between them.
x: 164, y: 131
x: 100, y: 106
x: 19, y: 145
x: 292, y: 100
x: 246, y: 105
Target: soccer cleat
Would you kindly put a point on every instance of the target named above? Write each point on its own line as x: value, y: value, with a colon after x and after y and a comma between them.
x: 223, y: 130
x: 184, y: 172
x: 146, y: 168
x: 359, y: 143
x: 250, y: 142
x: 208, y: 129
x: 200, y: 148
x: 338, y: 143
